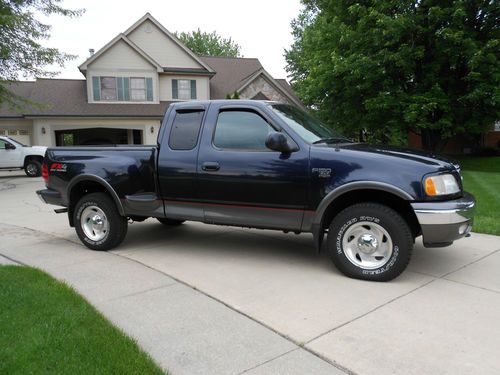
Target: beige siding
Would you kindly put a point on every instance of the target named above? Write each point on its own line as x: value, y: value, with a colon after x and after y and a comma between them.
x: 119, y: 57
x: 160, y: 47
x: 202, y: 86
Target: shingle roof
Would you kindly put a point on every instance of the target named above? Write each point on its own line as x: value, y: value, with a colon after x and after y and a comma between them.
x: 68, y: 97
x: 231, y: 74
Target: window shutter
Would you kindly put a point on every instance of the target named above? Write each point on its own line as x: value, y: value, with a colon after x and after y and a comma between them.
x: 175, y: 92
x: 96, y: 87
x: 149, y: 89
x: 119, y: 88
x: 126, y: 89
x: 193, y: 89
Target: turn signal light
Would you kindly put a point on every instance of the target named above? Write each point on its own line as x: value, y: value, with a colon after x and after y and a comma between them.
x: 430, y: 187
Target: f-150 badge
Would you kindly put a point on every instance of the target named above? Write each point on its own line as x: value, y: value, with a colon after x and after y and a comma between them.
x: 322, y: 172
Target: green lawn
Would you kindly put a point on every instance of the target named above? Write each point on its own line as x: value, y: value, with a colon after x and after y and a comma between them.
x: 47, y: 328
x: 482, y: 178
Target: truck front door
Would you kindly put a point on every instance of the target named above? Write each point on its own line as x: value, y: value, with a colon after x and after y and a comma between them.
x: 10, y: 155
x: 240, y: 181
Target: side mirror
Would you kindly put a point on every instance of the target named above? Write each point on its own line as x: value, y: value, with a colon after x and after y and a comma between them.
x: 278, y: 142
x: 9, y: 146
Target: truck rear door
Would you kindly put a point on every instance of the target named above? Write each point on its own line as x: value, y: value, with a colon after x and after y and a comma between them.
x: 177, y: 162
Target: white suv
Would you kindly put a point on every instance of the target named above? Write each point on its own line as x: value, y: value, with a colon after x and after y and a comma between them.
x: 15, y: 155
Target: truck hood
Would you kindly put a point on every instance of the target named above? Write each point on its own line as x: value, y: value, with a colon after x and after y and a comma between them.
x: 417, y: 156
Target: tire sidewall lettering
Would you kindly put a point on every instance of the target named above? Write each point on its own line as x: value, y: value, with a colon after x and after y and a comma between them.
x: 339, y: 250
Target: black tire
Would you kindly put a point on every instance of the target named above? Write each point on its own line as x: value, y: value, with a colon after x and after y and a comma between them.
x: 116, y: 230
x: 33, y: 168
x: 359, y: 223
x: 170, y: 222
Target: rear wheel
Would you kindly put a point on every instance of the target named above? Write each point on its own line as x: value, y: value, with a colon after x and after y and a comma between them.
x: 370, y: 241
x: 33, y: 168
x: 98, y: 222
x: 170, y: 222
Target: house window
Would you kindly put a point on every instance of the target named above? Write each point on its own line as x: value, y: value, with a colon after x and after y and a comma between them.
x: 108, y: 88
x: 122, y: 89
x: 183, y: 89
x: 138, y: 89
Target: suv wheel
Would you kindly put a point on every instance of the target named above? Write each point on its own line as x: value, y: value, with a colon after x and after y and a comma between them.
x: 33, y: 168
x: 98, y: 223
x: 370, y: 241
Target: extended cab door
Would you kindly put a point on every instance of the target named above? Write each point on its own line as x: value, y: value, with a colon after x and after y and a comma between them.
x: 10, y: 155
x: 177, y: 162
x: 240, y: 180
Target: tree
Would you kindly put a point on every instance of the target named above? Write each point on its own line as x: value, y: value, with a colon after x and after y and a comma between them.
x: 21, y: 53
x: 389, y: 66
x: 209, y: 44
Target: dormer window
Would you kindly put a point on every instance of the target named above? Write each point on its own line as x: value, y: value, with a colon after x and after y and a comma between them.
x: 122, y: 89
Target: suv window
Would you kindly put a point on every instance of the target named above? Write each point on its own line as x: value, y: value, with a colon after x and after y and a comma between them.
x: 241, y: 130
x: 2, y: 144
x: 185, y: 130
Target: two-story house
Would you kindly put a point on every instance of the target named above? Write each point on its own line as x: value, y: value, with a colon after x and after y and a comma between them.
x: 127, y: 87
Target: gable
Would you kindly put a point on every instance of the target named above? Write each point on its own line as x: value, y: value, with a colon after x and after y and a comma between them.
x: 121, y: 56
x: 154, y: 42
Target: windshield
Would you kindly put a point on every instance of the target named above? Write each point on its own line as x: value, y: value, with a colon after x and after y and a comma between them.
x: 16, y: 142
x: 307, y: 127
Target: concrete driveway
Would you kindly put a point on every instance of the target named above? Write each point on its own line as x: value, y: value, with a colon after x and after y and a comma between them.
x: 439, y: 317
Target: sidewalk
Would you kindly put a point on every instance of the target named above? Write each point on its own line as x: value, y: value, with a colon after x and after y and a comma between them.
x: 184, y: 330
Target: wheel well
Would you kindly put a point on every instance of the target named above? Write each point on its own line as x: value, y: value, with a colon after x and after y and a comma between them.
x: 33, y: 157
x: 398, y: 204
x: 78, y: 191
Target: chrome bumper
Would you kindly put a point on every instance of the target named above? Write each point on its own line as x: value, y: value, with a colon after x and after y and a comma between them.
x: 444, y: 222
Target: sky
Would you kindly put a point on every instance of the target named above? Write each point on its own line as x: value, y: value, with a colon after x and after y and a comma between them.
x: 260, y: 27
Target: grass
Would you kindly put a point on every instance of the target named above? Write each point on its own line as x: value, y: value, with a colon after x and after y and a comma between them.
x: 482, y: 178
x: 47, y: 328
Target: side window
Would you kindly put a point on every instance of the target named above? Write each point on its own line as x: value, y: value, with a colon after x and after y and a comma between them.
x: 185, y: 130
x: 241, y: 130
x: 2, y: 144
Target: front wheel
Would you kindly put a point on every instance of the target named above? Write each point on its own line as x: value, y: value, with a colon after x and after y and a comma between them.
x: 33, y: 168
x: 98, y: 222
x: 370, y: 241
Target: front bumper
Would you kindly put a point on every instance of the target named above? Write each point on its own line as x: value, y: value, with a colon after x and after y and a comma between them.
x: 50, y: 196
x: 444, y: 222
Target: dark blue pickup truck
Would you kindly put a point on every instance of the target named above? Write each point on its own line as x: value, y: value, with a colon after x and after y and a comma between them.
x: 265, y: 165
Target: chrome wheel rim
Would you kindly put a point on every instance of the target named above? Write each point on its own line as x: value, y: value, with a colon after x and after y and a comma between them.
x: 367, y: 245
x: 94, y: 223
x: 31, y: 169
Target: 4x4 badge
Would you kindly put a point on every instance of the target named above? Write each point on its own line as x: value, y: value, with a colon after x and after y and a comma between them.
x: 322, y: 172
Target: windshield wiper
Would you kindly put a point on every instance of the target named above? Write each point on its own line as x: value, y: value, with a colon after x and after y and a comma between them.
x: 332, y: 140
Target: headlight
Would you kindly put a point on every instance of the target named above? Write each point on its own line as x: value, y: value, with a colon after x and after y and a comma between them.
x: 443, y: 184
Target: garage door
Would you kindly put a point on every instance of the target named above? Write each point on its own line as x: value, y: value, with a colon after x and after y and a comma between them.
x: 20, y: 135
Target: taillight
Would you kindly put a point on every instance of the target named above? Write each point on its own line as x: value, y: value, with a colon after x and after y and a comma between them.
x: 45, y: 173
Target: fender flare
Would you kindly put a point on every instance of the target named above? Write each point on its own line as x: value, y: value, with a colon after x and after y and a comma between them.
x: 317, y: 221
x: 100, y: 181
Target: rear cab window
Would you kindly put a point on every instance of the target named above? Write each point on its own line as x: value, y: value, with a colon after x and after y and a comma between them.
x: 185, y: 130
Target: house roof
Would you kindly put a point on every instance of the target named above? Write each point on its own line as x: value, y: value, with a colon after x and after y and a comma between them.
x: 68, y: 98
x: 231, y: 74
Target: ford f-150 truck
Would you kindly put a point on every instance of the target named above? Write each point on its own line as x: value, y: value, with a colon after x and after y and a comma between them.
x: 265, y: 165
x: 15, y: 155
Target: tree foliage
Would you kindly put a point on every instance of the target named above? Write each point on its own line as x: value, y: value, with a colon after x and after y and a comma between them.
x: 21, y: 54
x: 389, y: 66
x: 209, y: 44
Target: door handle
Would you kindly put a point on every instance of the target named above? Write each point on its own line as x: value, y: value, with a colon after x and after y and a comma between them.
x: 210, y: 166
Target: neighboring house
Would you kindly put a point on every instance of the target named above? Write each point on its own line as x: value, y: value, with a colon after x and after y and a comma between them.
x: 127, y: 87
